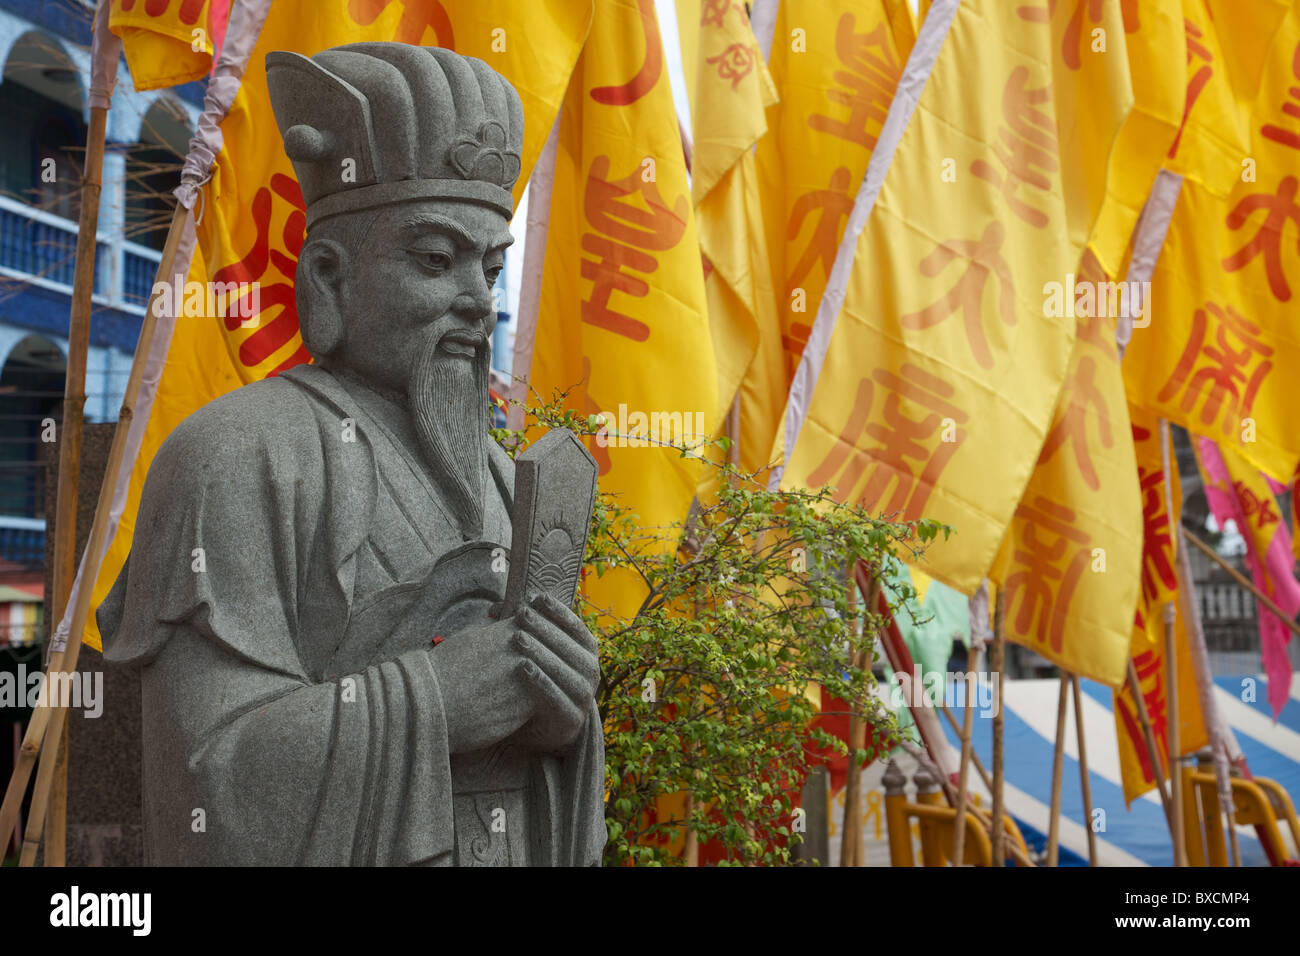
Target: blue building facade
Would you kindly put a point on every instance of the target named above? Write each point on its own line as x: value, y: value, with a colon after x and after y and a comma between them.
x: 44, y: 75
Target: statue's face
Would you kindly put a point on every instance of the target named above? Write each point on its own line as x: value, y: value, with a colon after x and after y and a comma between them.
x: 421, y: 279
x: 414, y: 300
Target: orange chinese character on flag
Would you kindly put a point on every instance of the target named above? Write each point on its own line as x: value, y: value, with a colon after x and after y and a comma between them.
x: 647, y: 74
x: 901, y: 439
x: 868, y: 80
x: 1076, y: 37
x: 1029, y: 147
x: 1071, y: 424
x: 1232, y: 376
x: 1047, y: 561
x: 983, y: 259
x: 417, y: 16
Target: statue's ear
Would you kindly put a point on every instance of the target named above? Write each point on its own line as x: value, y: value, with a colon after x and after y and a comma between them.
x: 322, y: 264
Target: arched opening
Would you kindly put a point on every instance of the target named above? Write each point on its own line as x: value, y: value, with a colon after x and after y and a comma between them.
x: 31, y: 395
x: 153, y: 167
x: 42, y: 152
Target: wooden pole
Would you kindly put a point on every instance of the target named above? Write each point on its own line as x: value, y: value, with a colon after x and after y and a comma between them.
x: 1205, y: 684
x: 56, y: 718
x: 1241, y: 579
x: 691, y: 853
x: 1085, y: 784
x: 851, y: 842
x: 963, y: 775
x: 65, y: 509
x: 74, y: 404
x: 1157, y: 766
x: 1171, y: 669
x: 1058, y: 765
x: 996, y: 659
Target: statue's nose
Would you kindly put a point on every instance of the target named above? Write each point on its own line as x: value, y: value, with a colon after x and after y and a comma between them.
x: 473, y: 306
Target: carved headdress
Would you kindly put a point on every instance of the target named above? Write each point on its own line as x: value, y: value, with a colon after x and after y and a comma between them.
x: 369, y: 124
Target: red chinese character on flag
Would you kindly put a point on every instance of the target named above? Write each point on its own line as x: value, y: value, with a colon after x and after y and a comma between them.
x: 1288, y: 136
x: 628, y: 234
x: 1267, y: 242
x: 271, y: 336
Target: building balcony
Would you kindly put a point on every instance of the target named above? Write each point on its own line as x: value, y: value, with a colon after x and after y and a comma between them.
x: 39, y: 248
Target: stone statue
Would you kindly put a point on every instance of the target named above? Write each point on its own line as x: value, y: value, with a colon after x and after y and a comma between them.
x: 331, y: 670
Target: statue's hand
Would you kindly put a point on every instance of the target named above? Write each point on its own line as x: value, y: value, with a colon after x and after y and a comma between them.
x: 537, y: 670
x: 564, y: 686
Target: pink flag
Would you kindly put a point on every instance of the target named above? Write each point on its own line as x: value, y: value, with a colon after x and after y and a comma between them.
x: 1239, y: 492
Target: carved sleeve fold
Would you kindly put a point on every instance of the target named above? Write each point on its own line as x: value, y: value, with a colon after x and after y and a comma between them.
x: 351, y: 771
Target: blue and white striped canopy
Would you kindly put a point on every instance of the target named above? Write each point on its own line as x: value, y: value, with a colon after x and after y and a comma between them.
x: 1137, y: 836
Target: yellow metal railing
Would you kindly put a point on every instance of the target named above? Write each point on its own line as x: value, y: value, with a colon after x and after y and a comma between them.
x: 936, y: 824
x: 1258, y: 802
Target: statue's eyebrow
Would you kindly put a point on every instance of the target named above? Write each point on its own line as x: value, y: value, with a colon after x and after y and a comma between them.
x: 448, y: 227
x: 454, y: 230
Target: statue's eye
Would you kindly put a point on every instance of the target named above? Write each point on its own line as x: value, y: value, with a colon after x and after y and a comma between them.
x: 432, y: 260
x: 491, y: 275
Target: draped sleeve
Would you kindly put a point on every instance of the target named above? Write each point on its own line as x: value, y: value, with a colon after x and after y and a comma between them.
x: 252, y: 753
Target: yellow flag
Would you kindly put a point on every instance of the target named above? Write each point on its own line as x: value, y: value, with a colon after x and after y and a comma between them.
x: 623, y: 326
x: 1222, y: 329
x: 940, y: 378
x: 731, y: 91
x: 835, y: 64
x: 1213, y: 135
x: 254, y: 222
x: 1154, y: 50
x: 1070, y: 562
x: 1159, y: 585
x: 168, y: 42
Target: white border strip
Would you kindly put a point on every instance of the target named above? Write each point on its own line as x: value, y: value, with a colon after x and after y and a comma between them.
x: 910, y: 87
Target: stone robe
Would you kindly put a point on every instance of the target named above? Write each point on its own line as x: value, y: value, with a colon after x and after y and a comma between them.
x: 293, y: 562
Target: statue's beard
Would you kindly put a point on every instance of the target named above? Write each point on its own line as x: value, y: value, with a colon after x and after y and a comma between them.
x: 448, y: 396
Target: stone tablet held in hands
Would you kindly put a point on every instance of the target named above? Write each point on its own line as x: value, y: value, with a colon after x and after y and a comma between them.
x: 555, y: 490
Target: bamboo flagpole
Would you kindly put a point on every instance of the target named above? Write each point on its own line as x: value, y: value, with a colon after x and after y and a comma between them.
x: 98, y: 534
x: 1157, y: 765
x: 244, y: 26
x: 1058, y: 764
x: 1085, y: 784
x: 1171, y: 672
x: 1221, y: 741
x: 851, y: 842
x: 1241, y: 579
x: 963, y: 775
x: 996, y: 662
x: 105, y: 51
